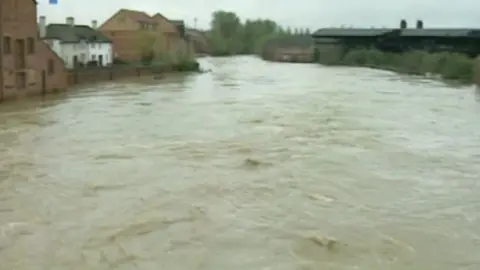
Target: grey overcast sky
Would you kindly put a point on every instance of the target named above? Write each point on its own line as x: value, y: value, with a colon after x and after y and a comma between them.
x: 299, y: 13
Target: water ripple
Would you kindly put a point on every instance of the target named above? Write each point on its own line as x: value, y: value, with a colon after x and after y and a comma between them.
x: 255, y: 165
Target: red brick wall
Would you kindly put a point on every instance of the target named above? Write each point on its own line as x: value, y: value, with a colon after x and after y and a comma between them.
x: 58, y: 79
x: 20, y: 23
x: 125, y: 44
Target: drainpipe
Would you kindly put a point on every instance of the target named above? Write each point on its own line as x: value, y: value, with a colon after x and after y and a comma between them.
x: 1, y: 51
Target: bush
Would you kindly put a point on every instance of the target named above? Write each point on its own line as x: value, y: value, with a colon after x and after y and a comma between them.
x: 458, y: 67
x: 187, y: 66
x: 451, y: 66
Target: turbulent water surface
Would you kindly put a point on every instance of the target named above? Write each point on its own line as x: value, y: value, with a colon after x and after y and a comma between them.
x: 255, y: 165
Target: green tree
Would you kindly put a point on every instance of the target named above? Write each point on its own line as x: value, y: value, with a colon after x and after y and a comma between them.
x: 225, y: 33
x: 289, y: 31
x: 229, y: 36
x: 255, y: 32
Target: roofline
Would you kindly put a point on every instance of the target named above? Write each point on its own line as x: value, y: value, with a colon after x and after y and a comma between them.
x: 61, y: 41
x: 71, y: 42
x: 54, y: 52
x: 161, y: 15
x: 97, y: 31
x: 391, y: 30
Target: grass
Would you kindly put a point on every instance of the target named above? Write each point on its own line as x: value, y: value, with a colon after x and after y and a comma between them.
x: 450, y: 66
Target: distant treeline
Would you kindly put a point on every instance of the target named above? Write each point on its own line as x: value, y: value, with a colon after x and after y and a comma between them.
x: 228, y: 35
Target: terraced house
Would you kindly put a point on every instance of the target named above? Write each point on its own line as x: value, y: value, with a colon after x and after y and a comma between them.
x: 28, y: 65
x: 77, y: 45
x: 134, y: 33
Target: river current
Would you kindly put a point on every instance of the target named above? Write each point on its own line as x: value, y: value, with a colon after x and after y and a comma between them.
x: 255, y: 165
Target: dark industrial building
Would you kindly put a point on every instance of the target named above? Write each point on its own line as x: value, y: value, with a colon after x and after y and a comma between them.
x: 403, y: 39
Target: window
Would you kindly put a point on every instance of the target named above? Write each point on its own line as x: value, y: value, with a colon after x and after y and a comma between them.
x: 7, y: 45
x: 31, y: 45
x: 94, y: 57
x: 51, y: 67
x: 92, y: 45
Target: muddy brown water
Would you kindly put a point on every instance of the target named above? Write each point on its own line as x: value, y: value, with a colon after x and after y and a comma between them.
x: 255, y: 165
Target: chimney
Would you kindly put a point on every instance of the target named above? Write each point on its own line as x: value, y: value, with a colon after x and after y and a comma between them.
x: 419, y: 24
x: 403, y: 24
x: 42, y: 26
x: 70, y: 21
x: 94, y: 24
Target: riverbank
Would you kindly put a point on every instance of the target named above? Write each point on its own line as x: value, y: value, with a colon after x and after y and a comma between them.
x: 93, y: 75
x: 447, y: 66
x: 101, y: 74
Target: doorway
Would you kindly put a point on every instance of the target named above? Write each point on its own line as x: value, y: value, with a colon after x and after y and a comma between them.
x: 75, y: 61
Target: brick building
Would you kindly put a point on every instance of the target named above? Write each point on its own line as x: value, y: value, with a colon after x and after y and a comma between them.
x: 28, y: 65
x: 199, y: 41
x: 127, y: 29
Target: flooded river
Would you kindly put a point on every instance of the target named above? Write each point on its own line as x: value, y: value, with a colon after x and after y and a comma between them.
x: 255, y: 165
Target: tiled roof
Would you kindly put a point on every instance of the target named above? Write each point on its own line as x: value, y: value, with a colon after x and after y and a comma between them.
x: 136, y: 15
x: 180, y: 25
x: 409, y: 32
x: 74, y: 34
x: 195, y: 32
x: 352, y: 32
x: 160, y: 16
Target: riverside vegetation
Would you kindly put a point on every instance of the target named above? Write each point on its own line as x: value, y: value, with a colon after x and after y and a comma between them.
x: 228, y: 35
x: 449, y: 66
x: 154, y: 53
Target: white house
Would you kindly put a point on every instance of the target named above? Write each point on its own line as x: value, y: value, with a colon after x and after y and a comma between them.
x: 77, y: 45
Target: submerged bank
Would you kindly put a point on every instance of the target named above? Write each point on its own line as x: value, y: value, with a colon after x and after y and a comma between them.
x: 93, y: 75
x: 448, y: 66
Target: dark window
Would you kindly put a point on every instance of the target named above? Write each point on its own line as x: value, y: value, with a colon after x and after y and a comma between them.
x: 31, y: 45
x: 51, y: 67
x: 7, y: 45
